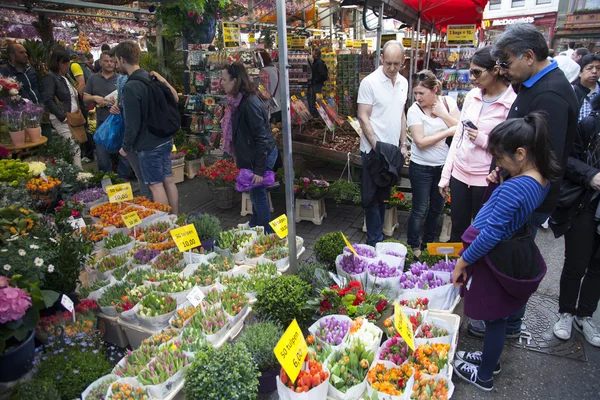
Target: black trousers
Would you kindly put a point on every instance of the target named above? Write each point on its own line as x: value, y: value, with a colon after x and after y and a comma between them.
x: 466, y: 203
x: 582, y: 261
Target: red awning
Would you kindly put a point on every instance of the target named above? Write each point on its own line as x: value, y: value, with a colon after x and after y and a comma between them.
x: 442, y: 13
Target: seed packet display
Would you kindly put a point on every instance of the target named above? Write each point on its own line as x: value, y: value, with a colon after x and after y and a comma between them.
x: 300, y: 109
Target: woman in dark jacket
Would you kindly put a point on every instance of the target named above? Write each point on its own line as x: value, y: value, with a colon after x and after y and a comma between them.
x: 58, y: 87
x: 247, y: 136
x: 577, y: 219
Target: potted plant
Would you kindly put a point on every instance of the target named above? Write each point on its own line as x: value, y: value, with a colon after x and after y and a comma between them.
x: 260, y: 339
x: 9, y: 100
x: 225, y: 373
x: 221, y: 180
x: 328, y: 247
x: 24, y: 299
x: 196, y: 21
x: 207, y: 227
x: 15, y: 125
x: 284, y: 299
x: 310, y: 204
x: 194, y: 159
x: 32, y: 119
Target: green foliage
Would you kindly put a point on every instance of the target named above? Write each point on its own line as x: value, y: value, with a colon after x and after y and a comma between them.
x: 260, y: 339
x: 171, y: 66
x: 328, y: 247
x: 283, y: 299
x: 58, y: 148
x: 225, y: 373
x: 207, y: 226
x: 180, y: 139
x: 74, y: 366
x: 38, y: 390
x: 96, y: 180
x: 307, y: 271
x: 430, y: 259
x: 345, y: 192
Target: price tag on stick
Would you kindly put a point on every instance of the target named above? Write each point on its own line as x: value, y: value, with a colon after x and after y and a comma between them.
x: 195, y: 296
x: 403, y: 326
x: 280, y: 226
x: 349, y: 245
x: 131, y: 219
x: 68, y: 304
x: 119, y: 193
x: 186, y: 237
x: 291, y: 350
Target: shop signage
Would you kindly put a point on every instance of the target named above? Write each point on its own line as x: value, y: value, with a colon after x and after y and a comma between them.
x: 349, y: 43
x: 231, y: 35
x: 508, y: 21
x: 296, y: 41
x: 291, y: 350
x: 387, y: 38
x: 406, y: 42
x: 461, y: 35
x: 447, y: 249
x: 186, y: 237
x: 131, y: 219
x: 403, y: 326
x: 280, y: 226
x: 251, y: 38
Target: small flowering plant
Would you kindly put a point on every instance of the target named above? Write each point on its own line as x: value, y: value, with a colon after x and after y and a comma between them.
x: 32, y: 114
x: 430, y: 358
x: 398, y: 200
x: 65, y: 210
x: 16, y: 220
x: 27, y: 257
x: 193, y: 151
x: 349, y: 366
x: 167, y: 363
x: 89, y: 195
x: 222, y: 173
x: 124, y: 391
x: 351, y: 300
x: 211, y: 322
x: 312, y: 189
x: 391, y: 381
x: 395, y: 350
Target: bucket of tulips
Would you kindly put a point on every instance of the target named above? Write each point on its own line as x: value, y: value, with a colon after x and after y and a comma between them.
x: 365, y: 332
x: 384, y: 273
x: 166, y: 371
x: 394, y: 350
x: 118, y: 243
x: 389, y: 380
x: 431, y: 359
x: 330, y: 331
x: 435, y: 285
x: 127, y: 307
x: 391, y: 249
x: 204, y: 276
x: 348, y: 367
x: 235, y: 304
x: 135, y: 361
x: 184, y: 312
x: 177, y: 288
x: 364, y: 251
x: 127, y: 389
x: 213, y: 323
x: 155, y: 310
x: 312, y: 383
x: 434, y: 330
x: 280, y: 256
x: 97, y: 389
x: 352, y: 267
x: 111, y: 296
x: 415, y: 317
x: 427, y: 387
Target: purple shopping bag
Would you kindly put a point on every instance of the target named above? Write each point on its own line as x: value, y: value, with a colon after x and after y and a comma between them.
x: 243, y: 182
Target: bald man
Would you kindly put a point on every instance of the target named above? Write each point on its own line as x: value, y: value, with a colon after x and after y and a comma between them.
x: 18, y: 68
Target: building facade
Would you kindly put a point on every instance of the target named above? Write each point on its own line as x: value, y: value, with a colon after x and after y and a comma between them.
x: 500, y: 13
x: 578, y: 21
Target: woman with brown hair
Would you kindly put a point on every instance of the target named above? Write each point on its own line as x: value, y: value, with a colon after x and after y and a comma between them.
x: 247, y: 136
x: 431, y: 119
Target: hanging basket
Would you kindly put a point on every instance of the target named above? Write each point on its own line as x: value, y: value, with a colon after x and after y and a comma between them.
x: 223, y: 196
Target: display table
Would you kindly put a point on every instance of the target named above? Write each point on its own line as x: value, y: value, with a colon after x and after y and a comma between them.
x: 27, y: 148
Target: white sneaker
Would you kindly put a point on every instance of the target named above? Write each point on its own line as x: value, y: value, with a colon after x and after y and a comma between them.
x: 562, y: 329
x: 587, y: 327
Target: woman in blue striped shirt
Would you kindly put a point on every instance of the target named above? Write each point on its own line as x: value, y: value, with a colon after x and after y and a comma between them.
x: 500, y: 274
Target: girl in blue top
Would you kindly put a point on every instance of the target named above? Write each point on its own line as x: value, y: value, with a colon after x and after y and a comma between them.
x: 493, y: 289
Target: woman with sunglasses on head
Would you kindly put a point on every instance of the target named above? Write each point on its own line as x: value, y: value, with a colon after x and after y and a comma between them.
x: 468, y: 162
x: 431, y: 119
x: 247, y: 136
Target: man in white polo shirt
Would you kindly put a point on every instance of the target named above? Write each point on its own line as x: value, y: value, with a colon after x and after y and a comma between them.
x: 381, y: 99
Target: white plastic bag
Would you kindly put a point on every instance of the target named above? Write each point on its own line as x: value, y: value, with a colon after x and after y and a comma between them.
x: 353, y: 393
x: 131, y: 381
x: 158, y: 322
x: 369, y: 334
x: 440, y: 298
x: 407, y: 388
x: 439, y: 323
x: 398, y: 248
x: 122, y: 249
x: 97, y: 382
x: 193, y: 258
x: 130, y: 316
x: 316, y: 393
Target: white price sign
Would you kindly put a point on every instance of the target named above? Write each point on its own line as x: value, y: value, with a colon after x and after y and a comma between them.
x: 68, y: 304
x: 195, y: 296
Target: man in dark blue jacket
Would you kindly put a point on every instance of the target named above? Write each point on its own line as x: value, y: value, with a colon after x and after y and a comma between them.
x: 18, y: 68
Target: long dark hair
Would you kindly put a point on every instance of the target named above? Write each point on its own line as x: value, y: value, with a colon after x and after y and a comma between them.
x: 529, y: 133
x: 58, y: 57
x: 243, y: 83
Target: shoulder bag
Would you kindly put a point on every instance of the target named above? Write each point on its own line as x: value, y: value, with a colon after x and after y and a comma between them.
x: 75, y: 120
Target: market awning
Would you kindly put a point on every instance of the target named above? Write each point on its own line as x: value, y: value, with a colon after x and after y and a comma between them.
x: 442, y: 13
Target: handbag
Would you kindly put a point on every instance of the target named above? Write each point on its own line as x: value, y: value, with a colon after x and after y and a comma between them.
x: 75, y: 120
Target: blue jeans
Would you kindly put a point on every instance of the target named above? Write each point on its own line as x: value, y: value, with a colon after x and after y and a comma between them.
x: 134, y: 161
x: 261, y: 213
x: 156, y: 164
x: 424, y: 181
x: 105, y: 163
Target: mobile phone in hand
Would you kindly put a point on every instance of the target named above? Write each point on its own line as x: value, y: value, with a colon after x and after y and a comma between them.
x: 470, y: 124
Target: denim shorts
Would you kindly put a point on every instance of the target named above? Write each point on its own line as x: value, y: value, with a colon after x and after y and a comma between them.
x: 156, y: 164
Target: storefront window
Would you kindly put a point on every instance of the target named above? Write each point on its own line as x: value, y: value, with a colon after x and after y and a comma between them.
x: 585, y: 5
x: 538, y: 2
x: 495, y: 4
x: 518, y: 3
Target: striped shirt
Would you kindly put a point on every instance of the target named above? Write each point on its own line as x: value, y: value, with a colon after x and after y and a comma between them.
x: 507, y: 210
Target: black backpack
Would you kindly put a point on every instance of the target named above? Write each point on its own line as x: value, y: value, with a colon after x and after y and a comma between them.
x: 163, y: 114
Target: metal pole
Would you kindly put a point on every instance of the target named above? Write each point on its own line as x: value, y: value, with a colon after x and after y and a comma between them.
x: 379, y: 29
x: 288, y: 165
x: 410, y: 76
x: 418, y: 40
x: 330, y: 28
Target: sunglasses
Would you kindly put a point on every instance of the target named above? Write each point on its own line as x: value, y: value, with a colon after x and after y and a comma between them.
x: 506, y: 64
x: 420, y: 76
x: 477, y: 72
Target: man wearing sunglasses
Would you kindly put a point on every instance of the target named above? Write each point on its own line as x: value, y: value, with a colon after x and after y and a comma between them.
x: 521, y: 52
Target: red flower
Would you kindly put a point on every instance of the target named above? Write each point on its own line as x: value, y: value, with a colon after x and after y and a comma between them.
x: 381, y: 306
x: 75, y: 214
x: 356, y: 302
x: 325, y: 305
x: 334, y: 287
x: 355, y: 284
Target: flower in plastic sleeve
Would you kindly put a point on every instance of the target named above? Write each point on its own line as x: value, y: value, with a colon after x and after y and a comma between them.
x: 14, y: 302
x: 51, y: 268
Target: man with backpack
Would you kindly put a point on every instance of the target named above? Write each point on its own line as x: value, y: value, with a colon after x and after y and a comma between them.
x: 151, y: 121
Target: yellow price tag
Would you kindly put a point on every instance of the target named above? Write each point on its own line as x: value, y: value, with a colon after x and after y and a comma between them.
x: 403, y: 326
x: 131, y: 219
x: 445, y: 249
x: 349, y: 245
x: 119, y: 193
x: 186, y: 237
x: 303, y: 94
x: 294, y: 98
x: 280, y: 226
x: 291, y: 350
x: 319, y: 95
x: 174, y: 149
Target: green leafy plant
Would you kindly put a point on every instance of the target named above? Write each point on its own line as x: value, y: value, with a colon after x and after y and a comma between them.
x: 35, y: 389
x: 307, y: 272
x: 117, y: 240
x: 96, y: 180
x: 328, y: 247
x: 170, y: 65
x: 345, y: 192
x: 58, y: 148
x: 207, y: 226
x: 260, y: 339
x: 226, y: 373
x: 283, y: 299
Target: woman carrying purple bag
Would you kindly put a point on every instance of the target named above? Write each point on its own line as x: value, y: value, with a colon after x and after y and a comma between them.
x: 247, y: 137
